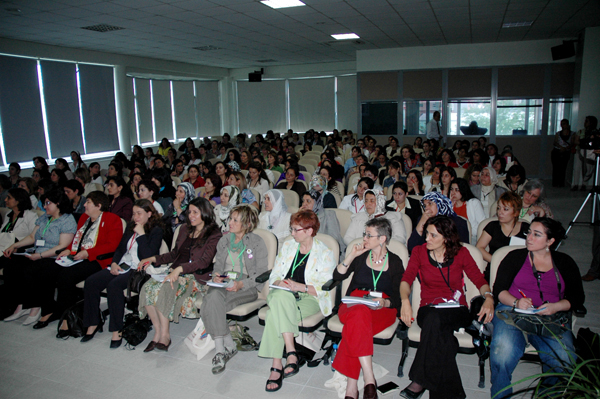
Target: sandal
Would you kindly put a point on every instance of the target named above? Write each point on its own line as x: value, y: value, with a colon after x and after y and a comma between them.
x: 294, y: 366
x: 278, y: 381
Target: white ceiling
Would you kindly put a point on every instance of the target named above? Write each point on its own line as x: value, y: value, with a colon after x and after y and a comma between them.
x: 248, y: 32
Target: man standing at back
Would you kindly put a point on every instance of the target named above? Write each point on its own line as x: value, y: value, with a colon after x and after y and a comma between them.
x: 434, y: 130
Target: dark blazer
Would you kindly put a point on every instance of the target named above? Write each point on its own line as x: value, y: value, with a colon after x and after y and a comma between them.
x: 148, y: 244
x: 414, y: 213
x: 122, y: 207
x: 568, y: 269
x: 396, y: 270
x: 461, y: 225
x: 298, y: 187
x: 202, y: 254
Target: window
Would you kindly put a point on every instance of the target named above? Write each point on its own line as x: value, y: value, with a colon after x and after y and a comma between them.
x: 463, y: 112
x: 560, y: 108
x: 417, y: 113
x: 519, y: 117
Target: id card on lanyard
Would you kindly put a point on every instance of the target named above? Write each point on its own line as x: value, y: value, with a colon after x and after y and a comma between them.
x: 42, y: 242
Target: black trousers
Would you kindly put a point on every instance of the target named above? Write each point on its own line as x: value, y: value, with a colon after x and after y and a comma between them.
x: 27, y: 282
x: 435, y: 366
x: 560, y: 160
x: 114, y: 286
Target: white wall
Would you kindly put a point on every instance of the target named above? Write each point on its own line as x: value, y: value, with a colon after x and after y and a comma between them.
x: 456, y: 56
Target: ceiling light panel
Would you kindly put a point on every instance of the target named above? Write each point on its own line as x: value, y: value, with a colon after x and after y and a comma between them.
x: 282, y: 3
x: 345, y: 36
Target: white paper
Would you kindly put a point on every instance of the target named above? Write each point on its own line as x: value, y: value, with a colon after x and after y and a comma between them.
x: 159, y: 277
x: 226, y: 284
x: 447, y: 305
x: 279, y: 288
x: 514, y: 240
x: 529, y: 311
x: 66, y: 262
x: 354, y: 300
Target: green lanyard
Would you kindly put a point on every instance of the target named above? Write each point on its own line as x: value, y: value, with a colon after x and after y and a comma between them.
x: 238, y: 257
x: 8, y: 225
x: 294, y: 264
x: 375, y: 280
x: 46, y: 228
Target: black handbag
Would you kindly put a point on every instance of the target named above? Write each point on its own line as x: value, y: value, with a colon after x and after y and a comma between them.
x: 545, y: 326
x: 135, y: 330
x: 74, y: 318
x: 136, y: 281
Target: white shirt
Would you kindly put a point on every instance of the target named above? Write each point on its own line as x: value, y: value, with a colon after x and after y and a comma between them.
x: 359, y: 205
x: 434, y: 130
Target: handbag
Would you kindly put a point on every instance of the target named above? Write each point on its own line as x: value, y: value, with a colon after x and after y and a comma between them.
x: 199, y: 342
x: 74, y: 318
x: 242, y: 338
x: 552, y: 326
x: 135, y: 330
x: 136, y: 281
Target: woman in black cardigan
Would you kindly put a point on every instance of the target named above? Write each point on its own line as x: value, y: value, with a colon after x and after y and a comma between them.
x: 141, y: 240
x: 535, y: 277
x: 400, y: 202
x: 377, y: 272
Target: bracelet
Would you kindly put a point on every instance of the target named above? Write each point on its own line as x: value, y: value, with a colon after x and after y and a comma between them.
x: 515, y: 304
x: 485, y: 293
x: 345, y: 265
x: 306, y: 288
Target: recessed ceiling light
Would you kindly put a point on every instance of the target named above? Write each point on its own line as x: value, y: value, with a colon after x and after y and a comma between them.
x: 345, y: 36
x: 517, y: 24
x: 282, y: 3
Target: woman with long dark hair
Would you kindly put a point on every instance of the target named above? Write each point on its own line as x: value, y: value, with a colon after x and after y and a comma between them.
x: 120, y: 197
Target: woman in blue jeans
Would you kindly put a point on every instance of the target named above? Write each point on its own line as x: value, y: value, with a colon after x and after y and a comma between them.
x: 535, y: 277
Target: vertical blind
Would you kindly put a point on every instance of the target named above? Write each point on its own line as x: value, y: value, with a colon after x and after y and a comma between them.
x: 144, y: 109
x: 161, y: 97
x: 207, y: 108
x: 346, y: 103
x: 264, y: 106
x: 185, y: 109
x: 312, y: 104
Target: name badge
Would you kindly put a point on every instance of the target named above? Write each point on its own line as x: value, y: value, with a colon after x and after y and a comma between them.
x: 40, y: 243
x: 375, y: 294
x: 232, y: 275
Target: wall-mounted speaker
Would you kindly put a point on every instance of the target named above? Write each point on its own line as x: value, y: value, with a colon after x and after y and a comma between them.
x: 565, y: 50
x: 255, y: 77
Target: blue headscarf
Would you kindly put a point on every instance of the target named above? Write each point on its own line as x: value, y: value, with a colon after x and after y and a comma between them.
x: 443, y: 203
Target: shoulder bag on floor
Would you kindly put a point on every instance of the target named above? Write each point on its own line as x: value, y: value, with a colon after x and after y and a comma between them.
x: 74, y: 318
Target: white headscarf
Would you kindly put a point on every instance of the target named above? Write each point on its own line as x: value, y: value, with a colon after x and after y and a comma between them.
x: 279, y: 206
x: 234, y: 200
x: 379, y: 200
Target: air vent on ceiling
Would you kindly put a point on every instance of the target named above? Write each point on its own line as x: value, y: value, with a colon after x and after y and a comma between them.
x: 344, y: 42
x: 207, y: 48
x: 102, y: 28
x: 517, y: 24
x: 266, y: 61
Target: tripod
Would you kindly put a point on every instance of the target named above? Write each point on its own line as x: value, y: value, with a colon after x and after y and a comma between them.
x: 595, y: 193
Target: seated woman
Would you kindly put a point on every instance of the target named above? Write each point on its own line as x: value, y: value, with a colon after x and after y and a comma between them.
x: 222, y: 171
x: 466, y: 205
x: 20, y: 221
x: 77, y: 161
x: 414, y: 181
x: 541, y: 278
x: 212, y: 189
x: 74, y: 191
x: 230, y: 198
x: 82, y: 175
x: 63, y: 165
x: 447, y: 158
x: 53, y: 231
x: 447, y: 177
x: 257, y: 178
x: 533, y: 201
x: 290, y: 183
x: 273, y: 162
x: 329, y: 176
x: 241, y: 256
x: 149, y: 191
x: 400, y: 202
x: 175, y: 214
x: 488, y: 191
x: 356, y: 202
x: 436, y: 204
x: 375, y: 208
x: 410, y: 159
x: 433, y: 181
x: 473, y: 175
x: 499, y: 233
x: 238, y: 180
x: 313, y: 201
x: 499, y: 166
x: 193, y: 177
x: 191, y: 261
x: 393, y: 176
x: 515, y: 179
x: 95, y: 174
x: 319, y: 184
x: 361, y: 323
x: 302, y: 266
x: 275, y: 218
x: 29, y: 185
x: 440, y: 263
x: 120, y: 197
x: 166, y: 191
x: 142, y: 239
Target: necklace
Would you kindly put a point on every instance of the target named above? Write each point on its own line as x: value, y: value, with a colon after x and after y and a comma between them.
x: 377, y: 262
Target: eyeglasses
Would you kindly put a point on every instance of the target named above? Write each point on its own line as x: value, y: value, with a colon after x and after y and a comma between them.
x: 368, y: 236
x: 293, y: 230
x: 47, y: 203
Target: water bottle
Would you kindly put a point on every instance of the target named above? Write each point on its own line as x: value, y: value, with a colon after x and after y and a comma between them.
x: 333, y: 352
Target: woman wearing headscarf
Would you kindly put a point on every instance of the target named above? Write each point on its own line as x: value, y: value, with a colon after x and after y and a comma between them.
x: 319, y: 184
x: 375, y: 208
x: 313, y: 201
x: 174, y: 215
x: 230, y: 198
x: 488, y: 191
x: 436, y: 204
x: 276, y: 217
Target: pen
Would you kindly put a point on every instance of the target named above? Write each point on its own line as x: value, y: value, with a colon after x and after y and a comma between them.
x: 523, y: 294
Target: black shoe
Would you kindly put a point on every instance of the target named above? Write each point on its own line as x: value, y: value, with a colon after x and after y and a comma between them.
x: 115, y: 344
x: 88, y: 337
x: 63, y: 334
x: 43, y: 324
x: 408, y: 394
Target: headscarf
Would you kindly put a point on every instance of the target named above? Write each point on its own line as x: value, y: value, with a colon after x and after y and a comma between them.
x: 234, y: 166
x: 318, y: 180
x: 443, y: 203
x: 317, y: 197
x: 493, y: 176
x: 379, y: 200
x: 234, y: 199
x: 279, y: 206
x: 190, y: 193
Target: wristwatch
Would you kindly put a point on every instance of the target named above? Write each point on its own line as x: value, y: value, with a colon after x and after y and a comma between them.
x: 515, y: 304
x: 306, y: 288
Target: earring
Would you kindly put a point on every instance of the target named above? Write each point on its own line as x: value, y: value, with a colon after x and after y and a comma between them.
x: 548, y: 249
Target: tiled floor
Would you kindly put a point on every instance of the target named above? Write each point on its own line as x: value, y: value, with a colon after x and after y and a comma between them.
x: 34, y: 364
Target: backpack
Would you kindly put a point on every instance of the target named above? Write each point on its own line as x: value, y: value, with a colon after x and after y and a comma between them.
x: 135, y: 330
x: 74, y: 318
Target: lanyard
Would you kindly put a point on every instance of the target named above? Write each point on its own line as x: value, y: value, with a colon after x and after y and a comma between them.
x: 238, y: 257
x: 46, y: 228
x: 10, y: 225
x: 294, y: 264
x: 447, y: 281
x: 375, y: 280
x: 358, y: 210
x: 538, y: 278
x: 132, y: 242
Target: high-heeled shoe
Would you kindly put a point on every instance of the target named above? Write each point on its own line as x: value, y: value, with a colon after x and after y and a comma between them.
x: 43, y: 324
x: 370, y: 391
x: 151, y: 346
x: 88, y: 337
x: 408, y: 394
x: 163, y: 347
x: 114, y: 344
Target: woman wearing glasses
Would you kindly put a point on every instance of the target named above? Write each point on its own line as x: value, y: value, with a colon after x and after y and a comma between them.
x: 301, y: 268
x: 53, y: 231
x: 376, y: 270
